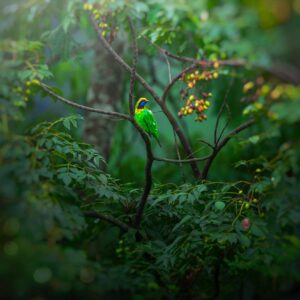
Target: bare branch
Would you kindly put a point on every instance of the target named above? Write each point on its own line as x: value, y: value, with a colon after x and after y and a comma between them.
x: 220, y: 145
x: 224, y: 103
x: 282, y: 71
x: 206, y: 143
x: 108, y: 218
x: 83, y: 107
x: 185, y: 143
x: 182, y: 161
x: 146, y: 192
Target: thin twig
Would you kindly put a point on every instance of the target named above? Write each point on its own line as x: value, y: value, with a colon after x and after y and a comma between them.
x: 220, y: 145
x: 182, y: 161
x: 83, y: 107
x: 108, y: 218
x: 175, y: 79
x: 282, y: 71
x: 179, y: 157
x: 169, y: 67
x: 206, y: 143
x: 224, y: 103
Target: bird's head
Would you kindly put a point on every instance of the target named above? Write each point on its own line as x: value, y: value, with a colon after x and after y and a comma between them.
x: 141, y: 103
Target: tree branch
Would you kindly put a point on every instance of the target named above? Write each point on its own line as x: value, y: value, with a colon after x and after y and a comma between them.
x: 108, y: 218
x: 224, y: 103
x: 182, y: 161
x: 83, y: 107
x: 120, y: 60
x: 220, y: 145
x: 185, y: 143
x: 282, y: 71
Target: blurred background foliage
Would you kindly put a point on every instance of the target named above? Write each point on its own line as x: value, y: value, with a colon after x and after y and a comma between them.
x: 235, y: 236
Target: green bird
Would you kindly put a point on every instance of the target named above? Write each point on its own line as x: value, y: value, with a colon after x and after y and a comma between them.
x: 145, y: 119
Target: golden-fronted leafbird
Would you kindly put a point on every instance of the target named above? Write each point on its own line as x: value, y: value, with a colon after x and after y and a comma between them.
x: 145, y: 119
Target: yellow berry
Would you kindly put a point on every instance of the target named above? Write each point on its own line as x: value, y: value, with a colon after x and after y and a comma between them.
x: 190, y: 110
x: 87, y: 6
x: 216, y: 65
x: 192, y: 97
x: 265, y: 89
x: 28, y: 83
x: 248, y: 86
x: 215, y: 75
x: 35, y: 81
x: 103, y: 33
x: 258, y: 105
x: 207, y: 103
x: 205, y: 107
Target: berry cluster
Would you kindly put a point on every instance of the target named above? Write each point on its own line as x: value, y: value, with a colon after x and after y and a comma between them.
x: 194, y: 104
x: 260, y: 95
x: 192, y: 78
x: 25, y: 91
x: 103, y: 18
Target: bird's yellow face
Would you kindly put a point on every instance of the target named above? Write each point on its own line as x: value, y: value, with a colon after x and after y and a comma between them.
x: 140, y: 105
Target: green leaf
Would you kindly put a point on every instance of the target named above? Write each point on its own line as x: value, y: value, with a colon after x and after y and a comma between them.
x: 220, y: 205
x: 182, y: 222
x: 67, y: 123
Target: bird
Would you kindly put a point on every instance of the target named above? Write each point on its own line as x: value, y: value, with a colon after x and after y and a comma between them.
x: 145, y: 118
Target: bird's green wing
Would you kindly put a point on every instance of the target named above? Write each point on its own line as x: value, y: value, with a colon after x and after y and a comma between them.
x: 146, y: 120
